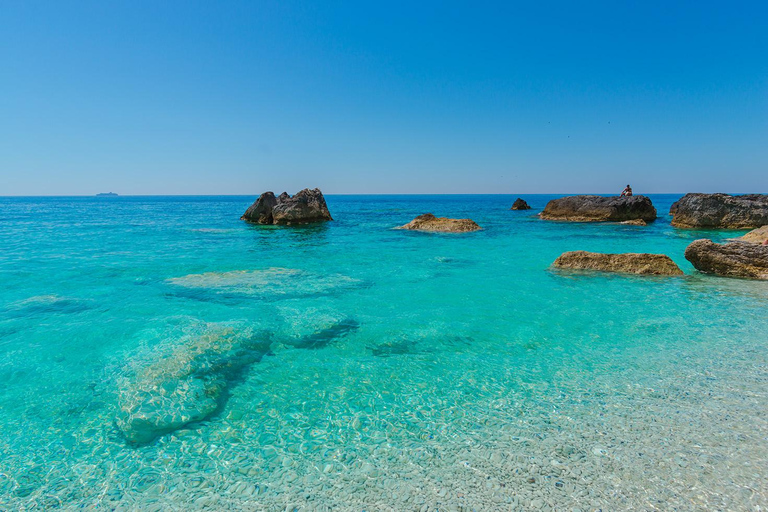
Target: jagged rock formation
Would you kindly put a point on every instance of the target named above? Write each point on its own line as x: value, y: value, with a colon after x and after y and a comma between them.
x: 631, y: 263
x: 721, y: 211
x: 599, y: 209
x: 520, y: 204
x: 734, y: 259
x: 429, y: 222
x: 303, y: 208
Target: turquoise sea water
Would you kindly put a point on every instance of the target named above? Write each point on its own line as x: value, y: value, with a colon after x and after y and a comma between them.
x: 350, y: 366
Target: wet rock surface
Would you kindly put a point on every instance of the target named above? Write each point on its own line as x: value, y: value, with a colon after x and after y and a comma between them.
x: 722, y: 211
x: 429, y: 222
x: 733, y: 259
x: 520, y: 204
x: 588, y: 208
x: 307, y: 206
x: 630, y: 263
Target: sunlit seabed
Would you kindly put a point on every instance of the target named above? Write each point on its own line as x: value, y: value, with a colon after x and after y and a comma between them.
x: 349, y: 366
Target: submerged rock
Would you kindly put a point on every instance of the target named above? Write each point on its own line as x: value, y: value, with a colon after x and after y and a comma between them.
x: 266, y: 284
x: 303, y: 208
x: 189, y: 379
x: 185, y: 384
x: 635, y: 222
x: 632, y: 263
x: 520, y: 204
x: 733, y: 259
x: 722, y: 211
x: 429, y: 222
x: 756, y: 236
x: 599, y: 209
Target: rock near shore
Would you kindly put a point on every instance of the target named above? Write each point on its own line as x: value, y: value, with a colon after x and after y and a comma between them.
x: 599, y: 209
x: 429, y: 222
x: 303, y: 208
x: 520, y: 204
x: 629, y: 263
x: 734, y: 259
x: 756, y: 236
x: 721, y: 211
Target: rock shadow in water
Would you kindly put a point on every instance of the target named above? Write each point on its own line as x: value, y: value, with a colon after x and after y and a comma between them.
x: 45, y: 305
x: 324, y: 337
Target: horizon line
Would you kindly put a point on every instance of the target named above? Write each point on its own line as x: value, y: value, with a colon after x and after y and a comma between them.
x: 381, y: 194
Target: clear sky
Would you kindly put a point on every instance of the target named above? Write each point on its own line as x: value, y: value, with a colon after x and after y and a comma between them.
x: 165, y: 97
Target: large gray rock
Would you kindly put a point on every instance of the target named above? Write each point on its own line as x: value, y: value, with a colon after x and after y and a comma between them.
x: 721, y: 211
x: 733, y: 259
x: 630, y: 263
x: 599, y: 209
x: 303, y: 208
x: 429, y: 222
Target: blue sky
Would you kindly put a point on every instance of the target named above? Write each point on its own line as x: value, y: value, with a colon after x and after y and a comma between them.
x: 389, y: 97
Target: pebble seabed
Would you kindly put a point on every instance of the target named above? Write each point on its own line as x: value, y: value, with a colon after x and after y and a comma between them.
x: 657, y: 401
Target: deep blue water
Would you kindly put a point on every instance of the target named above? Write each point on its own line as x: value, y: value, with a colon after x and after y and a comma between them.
x: 348, y: 365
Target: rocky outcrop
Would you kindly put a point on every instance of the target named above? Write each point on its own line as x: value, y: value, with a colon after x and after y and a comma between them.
x: 599, y: 209
x: 303, y: 208
x: 634, y: 222
x: 756, y: 236
x: 520, y: 204
x: 733, y: 259
x: 429, y: 222
x: 631, y: 263
x: 720, y: 211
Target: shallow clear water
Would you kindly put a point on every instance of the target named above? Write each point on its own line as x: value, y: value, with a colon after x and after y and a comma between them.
x: 350, y: 366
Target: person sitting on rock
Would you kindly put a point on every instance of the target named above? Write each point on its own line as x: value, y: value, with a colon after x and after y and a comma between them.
x: 627, y: 192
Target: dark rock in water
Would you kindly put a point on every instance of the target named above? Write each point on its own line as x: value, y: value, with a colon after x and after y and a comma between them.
x: 429, y: 222
x: 323, y: 337
x: 186, y: 385
x: 631, y: 263
x: 721, y: 211
x: 599, y: 209
x: 303, y: 208
x: 520, y: 204
x: 260, y: 212
x: 734, y: 259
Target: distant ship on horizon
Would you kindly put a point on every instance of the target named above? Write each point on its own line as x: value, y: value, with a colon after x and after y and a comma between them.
x: 106, y: 194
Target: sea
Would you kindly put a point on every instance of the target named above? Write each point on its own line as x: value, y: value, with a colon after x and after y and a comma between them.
x: 158, y: 353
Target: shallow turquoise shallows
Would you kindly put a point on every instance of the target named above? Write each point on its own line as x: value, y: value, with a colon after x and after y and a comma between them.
x: 157, y: 353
